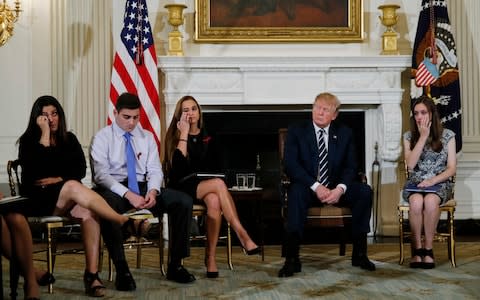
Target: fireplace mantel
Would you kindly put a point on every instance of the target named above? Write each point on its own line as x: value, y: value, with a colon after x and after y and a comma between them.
x: 368, y: 83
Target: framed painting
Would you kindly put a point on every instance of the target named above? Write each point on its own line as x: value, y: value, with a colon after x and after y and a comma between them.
x: 245, y: 21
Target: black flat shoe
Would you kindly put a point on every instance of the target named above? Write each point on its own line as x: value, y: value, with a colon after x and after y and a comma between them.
x: 420, y: 252
x: 290, y: 267
x: 46, y: 279
x: 253, y: 251
x: 179, y: 274
x: 428, y: 265
x: 363, y: 262
x: 124, y: 281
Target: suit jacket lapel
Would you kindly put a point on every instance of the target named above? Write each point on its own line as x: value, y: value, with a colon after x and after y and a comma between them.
x: 312, y: 137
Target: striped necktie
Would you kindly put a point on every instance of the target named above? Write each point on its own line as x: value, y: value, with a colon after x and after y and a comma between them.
x: 322, y: 176
x: 131, y: 165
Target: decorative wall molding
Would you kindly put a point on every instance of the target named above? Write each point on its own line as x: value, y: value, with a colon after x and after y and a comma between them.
x: 368, y: 83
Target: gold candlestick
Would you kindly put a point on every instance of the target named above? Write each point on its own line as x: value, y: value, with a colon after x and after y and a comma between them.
x: 389, y: 37
x: 175, y: 38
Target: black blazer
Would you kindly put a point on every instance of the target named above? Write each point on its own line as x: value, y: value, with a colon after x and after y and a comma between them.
x: 301, y: 155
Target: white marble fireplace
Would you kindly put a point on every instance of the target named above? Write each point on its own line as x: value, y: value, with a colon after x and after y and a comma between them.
x: 370, y: 84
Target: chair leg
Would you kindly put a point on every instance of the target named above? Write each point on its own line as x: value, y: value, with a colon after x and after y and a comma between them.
x: 110, y: 269
x: 451, y: 240
x: 400, y: 236
x: 229, y: 247
x: 161, y: 245
x: 138, y: 240
x: 50, y: 245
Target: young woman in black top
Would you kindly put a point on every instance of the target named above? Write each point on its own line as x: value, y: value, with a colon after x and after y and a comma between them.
x: 188, y: 150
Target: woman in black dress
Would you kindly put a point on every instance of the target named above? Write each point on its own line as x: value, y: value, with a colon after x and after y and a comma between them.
x: 53, y: 164
x: 188, y: 151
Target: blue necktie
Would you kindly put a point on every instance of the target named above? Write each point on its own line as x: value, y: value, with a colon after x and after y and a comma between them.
x: 131, y: 168
x: 322, y: 176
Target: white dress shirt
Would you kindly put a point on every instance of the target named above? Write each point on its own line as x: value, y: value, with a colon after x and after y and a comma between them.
x: 109, y: 161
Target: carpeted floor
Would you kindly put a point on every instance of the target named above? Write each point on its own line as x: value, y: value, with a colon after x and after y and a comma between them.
x: 324, y: 275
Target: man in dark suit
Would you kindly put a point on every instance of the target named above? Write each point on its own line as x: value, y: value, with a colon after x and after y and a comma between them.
x: 316, y: 183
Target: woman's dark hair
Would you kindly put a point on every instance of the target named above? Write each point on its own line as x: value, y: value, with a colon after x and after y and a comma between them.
x: 33, y: 131
x: 172, y: 135
x: 436, y: 128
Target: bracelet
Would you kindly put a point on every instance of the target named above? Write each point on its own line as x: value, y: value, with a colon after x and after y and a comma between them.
x: 183, y: 140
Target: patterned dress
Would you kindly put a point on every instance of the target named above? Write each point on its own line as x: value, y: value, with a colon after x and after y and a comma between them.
x: 429, y: 165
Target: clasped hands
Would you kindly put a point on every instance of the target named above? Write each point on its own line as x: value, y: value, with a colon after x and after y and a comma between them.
x: 140, y: 202
x: 426, y: 183
x: 328, y: 196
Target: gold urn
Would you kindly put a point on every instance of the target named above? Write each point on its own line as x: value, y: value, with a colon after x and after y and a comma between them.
x: 389, y: 19
x: 175, y: 38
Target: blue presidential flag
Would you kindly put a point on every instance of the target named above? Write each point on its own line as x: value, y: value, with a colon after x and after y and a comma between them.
x: 435, y: 65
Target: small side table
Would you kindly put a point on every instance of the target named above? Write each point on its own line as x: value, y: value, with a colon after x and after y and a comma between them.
x: 255, y: 195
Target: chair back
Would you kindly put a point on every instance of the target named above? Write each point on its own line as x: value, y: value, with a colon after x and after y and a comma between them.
x: 13, y: 172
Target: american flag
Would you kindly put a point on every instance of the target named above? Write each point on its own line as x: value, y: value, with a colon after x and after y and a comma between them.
x: 135, y: 66
x: 427, y: 73
x: 435, y: 50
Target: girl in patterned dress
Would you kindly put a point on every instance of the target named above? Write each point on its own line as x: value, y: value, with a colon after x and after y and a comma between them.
x: 431, y: 160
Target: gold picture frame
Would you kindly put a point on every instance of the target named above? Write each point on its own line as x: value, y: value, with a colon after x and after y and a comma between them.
x: 249, y: 21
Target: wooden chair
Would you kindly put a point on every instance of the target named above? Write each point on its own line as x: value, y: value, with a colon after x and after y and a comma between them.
x: 200, y: 210
x: 449, y: 235
x: 49, y: 223
x: 328, y: 216
x: 139, y: 242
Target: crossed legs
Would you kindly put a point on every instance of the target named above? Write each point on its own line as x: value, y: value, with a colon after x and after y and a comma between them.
x: 74, y: 192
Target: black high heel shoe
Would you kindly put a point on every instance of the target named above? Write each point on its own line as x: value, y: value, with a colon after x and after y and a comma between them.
x: 46, y: 279
x: 210, y: 274
x: 128, y: 227
x: 253, y: 251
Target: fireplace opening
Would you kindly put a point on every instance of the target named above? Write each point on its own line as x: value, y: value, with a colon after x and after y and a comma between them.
x: 245, y: 135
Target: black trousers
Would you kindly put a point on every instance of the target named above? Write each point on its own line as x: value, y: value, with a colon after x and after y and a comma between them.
x: 176, y: 204
x: 358, y: 197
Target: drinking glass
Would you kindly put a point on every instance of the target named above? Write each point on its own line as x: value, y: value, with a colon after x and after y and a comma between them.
x: 241, y: 181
